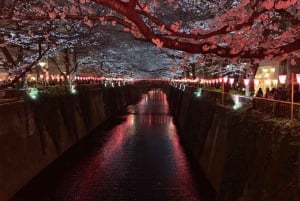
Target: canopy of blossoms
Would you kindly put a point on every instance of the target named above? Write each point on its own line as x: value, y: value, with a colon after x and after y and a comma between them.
x: 147, y: 37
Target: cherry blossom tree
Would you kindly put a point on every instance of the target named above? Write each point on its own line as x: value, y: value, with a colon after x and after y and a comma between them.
x: 187, y: 29
x: 247, y: 29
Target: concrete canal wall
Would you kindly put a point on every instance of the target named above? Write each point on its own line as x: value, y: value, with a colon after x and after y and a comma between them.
x: 34, y: 133
x: 245, y: 156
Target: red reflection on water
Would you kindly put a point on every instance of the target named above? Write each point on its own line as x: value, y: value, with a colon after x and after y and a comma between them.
x: 97, y: 169
x: 142, y: 155
x: 183, y: 175
x: 119, y: 133
x: 154, y: 102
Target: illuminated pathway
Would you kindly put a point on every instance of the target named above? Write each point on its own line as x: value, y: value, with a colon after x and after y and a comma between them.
x: 140, y: 158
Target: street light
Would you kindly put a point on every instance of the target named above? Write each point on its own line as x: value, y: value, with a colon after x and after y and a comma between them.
x: 39, y: 70
x: 282, y: 80
x: 224, y: 81
x: 42, y: 64
x: 292, y: 98
x: 246, y: 83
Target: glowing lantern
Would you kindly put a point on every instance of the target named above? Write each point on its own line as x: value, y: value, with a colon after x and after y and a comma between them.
x: 246, y: 82
x: 220, y: 79
x: 256, y: 82
x: 282, y: 79
x: 225, y: 79
x: 298, y: 78
x: 231, y: 80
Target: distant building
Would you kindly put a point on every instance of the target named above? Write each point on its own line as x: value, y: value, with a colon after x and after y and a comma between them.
x: 268, y: 73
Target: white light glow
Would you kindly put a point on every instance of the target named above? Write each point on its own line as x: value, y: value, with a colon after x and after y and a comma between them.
x: 298, y: 78
x: 282, y: 79
x: 237, y: 103
x: 198, y: 93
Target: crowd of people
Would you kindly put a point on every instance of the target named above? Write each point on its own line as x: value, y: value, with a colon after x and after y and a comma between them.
x: 282, y: 94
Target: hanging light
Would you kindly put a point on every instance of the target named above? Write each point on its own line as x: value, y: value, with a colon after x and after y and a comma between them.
x: 225, y: 79
x: 298, y: 78
x: 246, y: 82
x: 231, y: 80
x: 282, y: 79
x: 256, y: 82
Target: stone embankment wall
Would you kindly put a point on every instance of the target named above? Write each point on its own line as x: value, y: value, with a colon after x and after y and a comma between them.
x: 34, y: 133
x: 246, y: 156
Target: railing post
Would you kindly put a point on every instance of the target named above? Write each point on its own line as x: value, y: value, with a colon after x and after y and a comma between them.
x: 292, y: 97
x: 223, y: 91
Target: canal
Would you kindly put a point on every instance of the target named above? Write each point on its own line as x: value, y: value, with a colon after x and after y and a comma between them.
x: 136, y: 156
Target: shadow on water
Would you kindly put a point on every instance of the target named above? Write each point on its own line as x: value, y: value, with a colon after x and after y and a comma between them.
x: 45, y: 182
x: 205, y: 188
x: 135, y: 156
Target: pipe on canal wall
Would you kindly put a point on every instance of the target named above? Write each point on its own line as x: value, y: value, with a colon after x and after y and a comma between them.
x: 245, y: 155
x: 35, y: 133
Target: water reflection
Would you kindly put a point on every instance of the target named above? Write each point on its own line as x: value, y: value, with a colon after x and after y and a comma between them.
x: 140, y: 160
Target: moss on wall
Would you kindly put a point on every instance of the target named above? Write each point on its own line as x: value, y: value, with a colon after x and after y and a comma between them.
x: 244, y: 154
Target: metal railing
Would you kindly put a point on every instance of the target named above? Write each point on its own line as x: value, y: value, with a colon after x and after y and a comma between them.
x: 275, y: 108
x: 11, y: 95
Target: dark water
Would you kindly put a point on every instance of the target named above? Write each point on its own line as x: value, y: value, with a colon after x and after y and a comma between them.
x: 138, y: 158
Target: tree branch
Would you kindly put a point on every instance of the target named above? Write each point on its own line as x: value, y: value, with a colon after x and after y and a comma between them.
x: 7, y: 55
